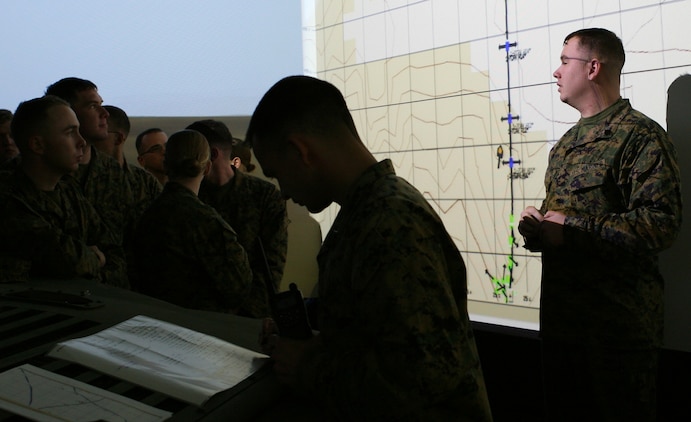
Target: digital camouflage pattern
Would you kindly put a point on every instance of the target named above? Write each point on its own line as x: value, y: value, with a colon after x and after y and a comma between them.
x: 53, y: 230
x: 103, y: 184
x: 254, y: 208
x: 186, y: 254
x: 396, y: 341
x: 118, y: 194
x: 142, y: 189
x: 142, y: 185
x: 615, y: 177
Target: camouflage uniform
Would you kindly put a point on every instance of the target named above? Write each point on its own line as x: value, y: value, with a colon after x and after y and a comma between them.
x: 142, y: 189
x: 119, y: 195
x: 7, y: 170
x: 254, y: 208
x: 103, y: 183
x: 143, y: 186
x: 616, y: 178
x: 396, y: 341
x: 54, y: 229
x: 187, y: 254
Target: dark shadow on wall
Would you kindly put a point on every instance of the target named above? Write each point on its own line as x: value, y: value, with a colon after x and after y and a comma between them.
x: 674, y: 262
x: 675, y: 363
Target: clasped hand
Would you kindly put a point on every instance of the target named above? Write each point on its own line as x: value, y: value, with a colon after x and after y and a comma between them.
x: 541, y: 232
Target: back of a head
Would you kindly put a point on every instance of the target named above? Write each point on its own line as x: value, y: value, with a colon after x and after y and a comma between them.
x: 117, y: 119
x: 5, y: 116
x: 187, y: 153
x: 604, y: 44
x: 215, y: 132
x: 30, y: 119
x: 68, y: 88
x: 299, y: 103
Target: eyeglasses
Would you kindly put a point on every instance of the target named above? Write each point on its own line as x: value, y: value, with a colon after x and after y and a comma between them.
x: 158, y: 148
x: 563, y: 58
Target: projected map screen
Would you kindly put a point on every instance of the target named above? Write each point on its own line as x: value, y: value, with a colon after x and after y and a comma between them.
x: 460, y: 96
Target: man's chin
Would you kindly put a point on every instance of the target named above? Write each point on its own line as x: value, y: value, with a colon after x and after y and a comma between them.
x: 315, y: 209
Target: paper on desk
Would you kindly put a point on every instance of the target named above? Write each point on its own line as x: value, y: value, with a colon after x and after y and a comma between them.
x: 41, y: 395
x: 164, y: 357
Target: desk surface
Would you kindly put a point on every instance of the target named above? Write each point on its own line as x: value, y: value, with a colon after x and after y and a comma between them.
x: 29, y: 330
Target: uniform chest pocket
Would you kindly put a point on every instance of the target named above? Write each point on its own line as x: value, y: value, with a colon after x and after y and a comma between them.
x: 591, y: 188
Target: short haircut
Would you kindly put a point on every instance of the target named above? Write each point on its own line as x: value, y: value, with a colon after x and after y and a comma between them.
x: 138, y: 139
x: 299, y: 103
x: 118, y: 118
x: 30, y: 118
x: 5, y: 116
x: 603, y: 43
x: 69, y: 88
x: 216, y: 133
x: 187, y: 153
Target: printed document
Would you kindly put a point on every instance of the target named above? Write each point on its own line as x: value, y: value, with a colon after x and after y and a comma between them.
x: 164, y: 357
x: 41, y: 395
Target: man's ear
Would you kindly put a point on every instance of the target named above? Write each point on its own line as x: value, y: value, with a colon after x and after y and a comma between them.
x: 594, y: 69
x: 236, y: 162
x: 301, y: 146
x: 36, y: 144
x: 120, y: 139
x: 214, y: 153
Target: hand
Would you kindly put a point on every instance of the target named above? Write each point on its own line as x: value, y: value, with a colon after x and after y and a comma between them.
x: 529, y: 227
x: 99, y: 254
x: 531, y: 212
x: 268, y: 335
x: 530, y: 222
x: 555, y: 217
x: 286, y: 355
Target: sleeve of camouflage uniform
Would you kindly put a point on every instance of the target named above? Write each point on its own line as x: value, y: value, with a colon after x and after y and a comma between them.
x: 403, y: 345
x: 219, y: 251
x: 650, y: 196
x: 114, y: 272
x: 264, y: 215
x: 103, y: 183
x: 275, y: 233
x: 53, y: 253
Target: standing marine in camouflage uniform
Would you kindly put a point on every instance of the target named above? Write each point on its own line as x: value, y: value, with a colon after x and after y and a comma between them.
x: 253, y: 207
x: 395, y: 342
x: 44, y: 221
x: 185, y: 252
x: 613, y: 202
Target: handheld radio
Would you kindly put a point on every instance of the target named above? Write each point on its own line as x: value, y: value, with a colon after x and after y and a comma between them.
x: 287, y: 308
